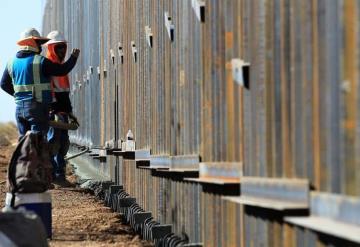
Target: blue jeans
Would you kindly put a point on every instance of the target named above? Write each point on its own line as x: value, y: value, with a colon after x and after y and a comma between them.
x: 32, y: 115
x: 59, y: 146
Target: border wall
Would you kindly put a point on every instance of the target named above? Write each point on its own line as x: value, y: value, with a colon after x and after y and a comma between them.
x: 245, y: 114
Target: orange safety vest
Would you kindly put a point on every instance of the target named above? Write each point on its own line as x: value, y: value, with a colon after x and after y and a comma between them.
x: 58, y: 83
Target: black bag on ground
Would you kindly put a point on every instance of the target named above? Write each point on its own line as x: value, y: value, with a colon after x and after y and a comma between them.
x: 30, y: 167
x: 21, y: 229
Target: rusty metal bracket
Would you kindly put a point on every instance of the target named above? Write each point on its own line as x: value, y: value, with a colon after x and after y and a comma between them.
x: 94, y: 152
x: 176, y: 167
x: 111, y: 146
x: 160, y: 161
x: 176, y: 175
x: 217, y: 186
x: 88, y: 76
x: 230, y: 171
x: 134, y: 51
x: 149, y: 36
x: 141, y: 163
x: 169, y: 26
x: 199, y: 8
x: 219, y: 173
x: 140, y: 154
x: 332, y: 214
x: 121, y: 53
x: 241, y: 72
x: 98, y: 72
x: 102, y: 155
x: 85, y: 78
x: 98, y: 153
x: 184, y: 162
x: 221, y: 178
x: 105, y: 70
x: 278, y: 194
x: 112, y: 56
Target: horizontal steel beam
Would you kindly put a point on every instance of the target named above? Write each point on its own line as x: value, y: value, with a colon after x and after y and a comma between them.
x: 332, y: 214
x: 275, y: 193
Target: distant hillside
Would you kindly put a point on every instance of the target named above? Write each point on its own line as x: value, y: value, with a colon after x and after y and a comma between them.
x: 8, y: 133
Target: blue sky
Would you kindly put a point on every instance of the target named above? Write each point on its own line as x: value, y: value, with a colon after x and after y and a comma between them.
x: 15, y: 16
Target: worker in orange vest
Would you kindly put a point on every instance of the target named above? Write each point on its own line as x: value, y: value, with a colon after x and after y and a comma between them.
x: 61, y: 108
x: 27, y: 78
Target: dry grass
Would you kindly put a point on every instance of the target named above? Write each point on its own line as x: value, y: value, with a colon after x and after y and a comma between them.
x: 8, y: 133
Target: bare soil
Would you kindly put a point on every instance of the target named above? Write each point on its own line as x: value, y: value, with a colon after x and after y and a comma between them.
x: 78, y: 218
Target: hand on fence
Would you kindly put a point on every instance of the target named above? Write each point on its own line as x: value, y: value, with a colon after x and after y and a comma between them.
x: 75, y: 52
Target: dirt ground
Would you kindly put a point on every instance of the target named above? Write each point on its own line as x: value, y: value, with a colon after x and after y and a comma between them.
x: 78, y: 218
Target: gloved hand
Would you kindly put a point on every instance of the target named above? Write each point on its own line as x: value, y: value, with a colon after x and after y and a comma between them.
x: 75, y: 52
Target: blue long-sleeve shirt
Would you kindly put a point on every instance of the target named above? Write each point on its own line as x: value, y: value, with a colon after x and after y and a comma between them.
x: 48, y: 69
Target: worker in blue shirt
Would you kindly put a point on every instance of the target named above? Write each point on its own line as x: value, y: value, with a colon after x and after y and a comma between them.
x: 27, y: 77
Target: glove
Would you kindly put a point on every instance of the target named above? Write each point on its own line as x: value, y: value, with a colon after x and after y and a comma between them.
x: 75, y: 53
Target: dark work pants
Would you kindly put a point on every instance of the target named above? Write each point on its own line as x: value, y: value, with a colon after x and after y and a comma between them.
x: 32, y: 115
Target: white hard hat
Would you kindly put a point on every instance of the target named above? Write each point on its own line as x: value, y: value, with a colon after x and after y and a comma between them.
x: 30, y: 34
x: 55, y: 37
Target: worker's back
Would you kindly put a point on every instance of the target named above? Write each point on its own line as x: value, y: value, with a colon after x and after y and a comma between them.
x: 28, y: 79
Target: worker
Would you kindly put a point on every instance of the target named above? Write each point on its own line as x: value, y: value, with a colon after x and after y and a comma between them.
x: 27, y: 78
x: 61, y: 108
